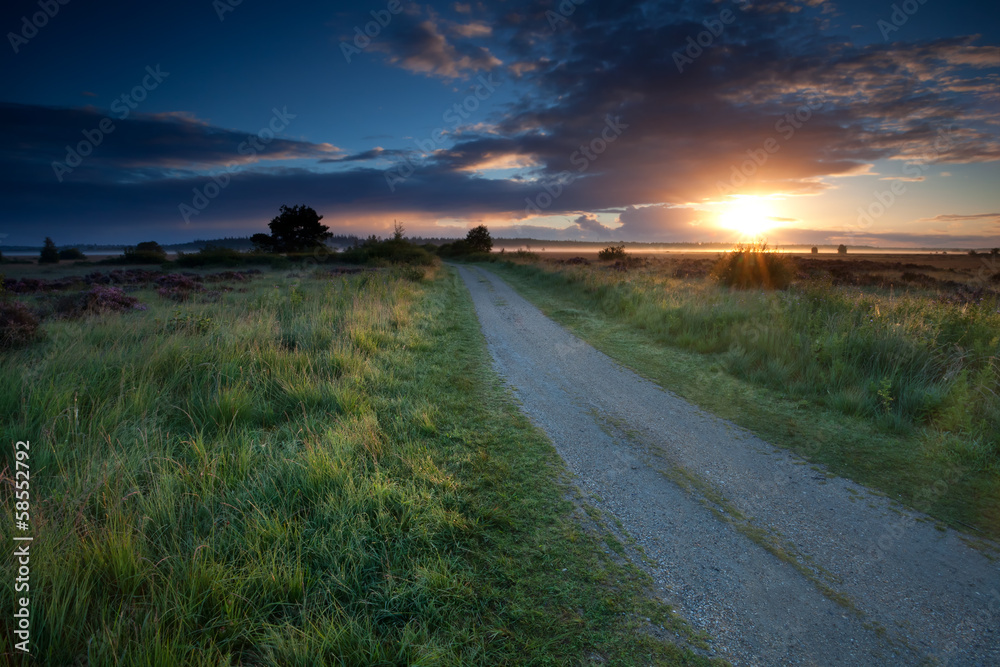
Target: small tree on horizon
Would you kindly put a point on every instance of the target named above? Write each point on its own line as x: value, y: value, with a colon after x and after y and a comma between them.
x: 295, y: 229
x: 50, y: 253
x: 842, y: 249
x: 479, y: 239
x: 147, y: 252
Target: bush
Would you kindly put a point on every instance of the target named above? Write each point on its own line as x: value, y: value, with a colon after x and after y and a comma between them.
x: 71, y: 254
x: 753, y: 265
x: 389, y: 251
x: 842, y: 249
x: 613, y: 252
x: 177, y: 287
x: 49, y: 254
x: 98, y: 299
x: 18, y: 325
x: 212, y: 255
x: 815, y: 250
x: 147, y: 252
x: 457, y: 248
x: 526, y: 255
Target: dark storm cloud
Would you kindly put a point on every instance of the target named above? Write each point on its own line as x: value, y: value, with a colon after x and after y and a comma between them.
x: 111, y: 147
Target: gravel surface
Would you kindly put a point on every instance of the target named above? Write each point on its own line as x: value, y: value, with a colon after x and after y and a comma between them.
x: 779, y: 562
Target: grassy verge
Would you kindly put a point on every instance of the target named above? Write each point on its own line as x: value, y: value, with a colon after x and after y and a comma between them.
x: 309, y: 471
x: 896, y: 391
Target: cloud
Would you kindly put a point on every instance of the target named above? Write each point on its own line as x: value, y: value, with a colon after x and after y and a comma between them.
x: 588, y: 226
x: 419, y: 45
x: 664, y: 223
x: 599, y: 114
x: 153, y: 145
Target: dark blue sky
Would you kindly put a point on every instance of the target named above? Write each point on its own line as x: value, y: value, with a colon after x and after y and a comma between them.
x: 574, y: 119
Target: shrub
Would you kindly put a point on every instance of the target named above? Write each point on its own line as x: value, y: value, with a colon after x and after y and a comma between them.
x: 98, y: 299
x: 147, y: 252
x: 212, y: 255
x: 177, y: 287
x: 71, y: 254
x: 389, y: 251
x: 616, y: 252
x: 457, y: 248
x: 815, y: 250
x: 49, y: 254
x: 842, y: 249
x: 753, y: 265
x: 18, y: 325
x: 526, y: 255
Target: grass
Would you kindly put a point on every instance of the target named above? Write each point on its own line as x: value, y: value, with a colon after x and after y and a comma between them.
x: 753, y: 266
x: 308, y: 470
x: 896, y: 390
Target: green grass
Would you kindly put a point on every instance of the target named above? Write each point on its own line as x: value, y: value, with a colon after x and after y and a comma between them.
x: 898, y: 391
x: 311, y: 471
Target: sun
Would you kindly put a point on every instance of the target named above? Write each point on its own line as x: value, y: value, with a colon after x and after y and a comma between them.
x: 750, y: 216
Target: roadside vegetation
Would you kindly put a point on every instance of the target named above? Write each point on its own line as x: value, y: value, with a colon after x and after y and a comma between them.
x: 297, y: 468
x: 893, y: 382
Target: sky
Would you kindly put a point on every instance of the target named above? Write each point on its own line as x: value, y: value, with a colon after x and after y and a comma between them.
x: 800, y: 121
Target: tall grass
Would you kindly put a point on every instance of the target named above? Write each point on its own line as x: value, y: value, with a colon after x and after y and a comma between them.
x: 752, y: 266
x: 312, y: 471
x: 910, y: 365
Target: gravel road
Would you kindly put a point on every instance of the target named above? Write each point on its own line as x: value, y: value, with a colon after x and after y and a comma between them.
x: 777, y: 561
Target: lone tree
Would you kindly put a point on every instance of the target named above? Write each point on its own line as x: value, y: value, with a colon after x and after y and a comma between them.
x: 50, y: 253
x: 479, y: 239
x: 842, y: 249
x: 295, y: 229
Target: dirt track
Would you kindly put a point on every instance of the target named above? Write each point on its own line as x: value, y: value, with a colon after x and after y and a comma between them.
x: 777, y: 562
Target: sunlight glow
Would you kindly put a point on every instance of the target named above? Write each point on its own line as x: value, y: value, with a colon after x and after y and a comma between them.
x: 750, y: 216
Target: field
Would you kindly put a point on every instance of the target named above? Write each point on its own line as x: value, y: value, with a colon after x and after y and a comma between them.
x: 317, y: 465
x: 883, y: 368
x: 298, y: 467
